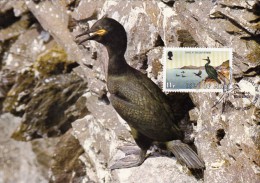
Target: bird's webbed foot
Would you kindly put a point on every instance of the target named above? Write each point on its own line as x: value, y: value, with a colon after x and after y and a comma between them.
x: 133, y: 158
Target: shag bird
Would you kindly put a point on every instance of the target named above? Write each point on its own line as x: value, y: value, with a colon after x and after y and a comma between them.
x: 198, y: 74
x: 212, y: 73
x: 177, y: 75
x: 138, y: 100
x: 182, y: 72
x: 183, y: 76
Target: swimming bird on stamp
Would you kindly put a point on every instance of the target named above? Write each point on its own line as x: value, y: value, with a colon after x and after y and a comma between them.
x: 139, y: 101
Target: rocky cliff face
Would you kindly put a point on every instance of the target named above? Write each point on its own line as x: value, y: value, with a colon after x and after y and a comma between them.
x: 53, y: 92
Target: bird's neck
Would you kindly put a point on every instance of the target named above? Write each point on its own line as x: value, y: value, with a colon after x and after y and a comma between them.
x: 117, y: 63
x: 208, y: 63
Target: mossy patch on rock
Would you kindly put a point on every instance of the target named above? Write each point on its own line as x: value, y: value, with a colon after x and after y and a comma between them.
x: 254, y: 55
x: 185, y: 38
x: 65, y: 165
x: 47, y: 96
x: 48, y: 113
x: 19, y: 94
x: 53, y: 61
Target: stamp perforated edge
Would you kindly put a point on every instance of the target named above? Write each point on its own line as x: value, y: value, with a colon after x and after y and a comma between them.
x: 164, y: 57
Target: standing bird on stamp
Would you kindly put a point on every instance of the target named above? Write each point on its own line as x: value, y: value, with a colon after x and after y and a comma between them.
x: 139, y: 101
x: 211, y: 71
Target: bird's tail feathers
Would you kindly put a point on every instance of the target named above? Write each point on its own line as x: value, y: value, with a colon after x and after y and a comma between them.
x: 219, y: 82
x: 185, y: 154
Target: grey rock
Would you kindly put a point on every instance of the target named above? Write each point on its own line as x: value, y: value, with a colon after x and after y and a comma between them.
x: 194, y: 114
x: 221, y: 138
x: 215, y: 25
x: 18, y: 161
x: 18, y: 7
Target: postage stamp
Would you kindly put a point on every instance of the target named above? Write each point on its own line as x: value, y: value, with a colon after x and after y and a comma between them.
x: 197, y: 69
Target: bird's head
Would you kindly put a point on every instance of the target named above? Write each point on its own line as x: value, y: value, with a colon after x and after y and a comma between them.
x: 207, y: 59
x: 108, y: 32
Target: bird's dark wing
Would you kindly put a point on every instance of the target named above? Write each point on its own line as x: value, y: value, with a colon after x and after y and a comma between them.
x: 144, y: 106
x: 212, y: 72
x: 155, y: 92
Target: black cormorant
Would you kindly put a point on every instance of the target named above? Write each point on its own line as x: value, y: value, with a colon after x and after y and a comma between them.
x: 138, y: 100
x: 198, y: 74
x: 212, y: 73
x: 177, y: 75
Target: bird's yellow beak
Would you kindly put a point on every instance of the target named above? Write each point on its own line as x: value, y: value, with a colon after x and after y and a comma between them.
x: 101, y: 32
x: 91, y: 35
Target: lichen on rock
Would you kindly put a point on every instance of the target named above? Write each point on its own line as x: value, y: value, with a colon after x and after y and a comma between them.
x: 44, y: 95
x: 53, y: 61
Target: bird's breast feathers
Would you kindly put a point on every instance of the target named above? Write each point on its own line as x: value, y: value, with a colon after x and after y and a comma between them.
x: 137, y: 102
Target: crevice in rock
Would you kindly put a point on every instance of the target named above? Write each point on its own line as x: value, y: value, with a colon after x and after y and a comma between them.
x: 195, y: 123
x: 73, y: 5
x: 169, y: 2
x: 220, y: 135
x: 255, y: 70
x: 232, y: 157
x: 37, y: 1
x: 239, y: 146
x: 159, y: 41
x: 255, y: 20
x: 88, y: 65
x: 94, y: 55
x: 255, y: 163
x: 71, y: 66
x: 104, y: 98
x: 198, y: 174
x: 235, y: 33
x: 195, y: 18
x: 256, y: 8
x: 227, y: 107
x: 237, y: 79
x: 140, y: 61
x: 255, y: 38
x: 251, y: 32
x: 32, y: 20
x: 181, y: 104
x: 185, y: 39
x: 8, y: 18
x: 235, y: 7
